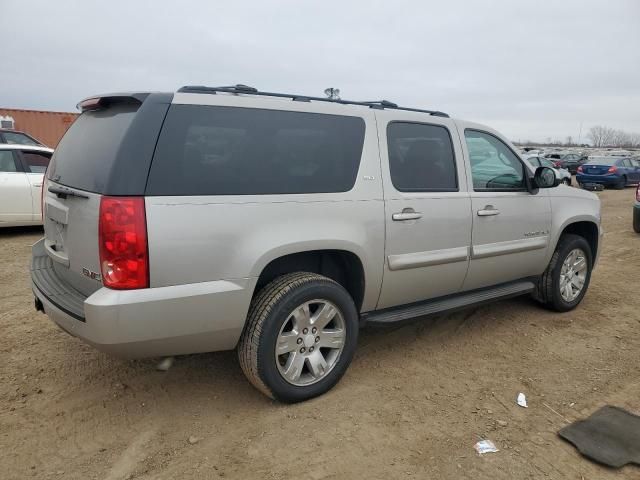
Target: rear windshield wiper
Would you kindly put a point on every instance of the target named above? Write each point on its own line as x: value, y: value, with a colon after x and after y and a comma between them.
x: 64, y: 193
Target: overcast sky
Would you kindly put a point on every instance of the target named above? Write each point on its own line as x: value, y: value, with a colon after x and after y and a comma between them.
x: 531, y: 69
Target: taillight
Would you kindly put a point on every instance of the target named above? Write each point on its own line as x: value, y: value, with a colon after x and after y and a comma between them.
x: 612, y: 169
x: 580, y: 169
x: 122, y: 235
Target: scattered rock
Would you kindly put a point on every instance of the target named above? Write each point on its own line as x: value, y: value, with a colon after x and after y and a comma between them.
x: 193, y: 440
x: 502, y: 423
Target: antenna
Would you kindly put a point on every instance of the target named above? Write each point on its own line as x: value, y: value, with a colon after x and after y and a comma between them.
x: 332, y: 93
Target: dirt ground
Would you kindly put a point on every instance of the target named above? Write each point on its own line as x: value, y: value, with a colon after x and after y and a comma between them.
x: 414, y: 402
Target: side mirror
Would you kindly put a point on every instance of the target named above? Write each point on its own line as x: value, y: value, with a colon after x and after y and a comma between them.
x: 545, y: 177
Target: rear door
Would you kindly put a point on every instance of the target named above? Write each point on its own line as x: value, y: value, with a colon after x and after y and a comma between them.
x: 630, y: 170
x: 510, y: 225
x: 636, y: 169
x: 35, y: 165
x: 15, y: 192
x: 427, y: 208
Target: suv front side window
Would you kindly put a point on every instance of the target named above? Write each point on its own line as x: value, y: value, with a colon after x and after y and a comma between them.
x: 494, y: 167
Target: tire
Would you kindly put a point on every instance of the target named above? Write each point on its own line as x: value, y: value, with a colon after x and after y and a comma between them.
x: 270, y: 315
x: 549, y: 285
x: 636, y: 220
x: 622, y: 183
x: 566, y: 181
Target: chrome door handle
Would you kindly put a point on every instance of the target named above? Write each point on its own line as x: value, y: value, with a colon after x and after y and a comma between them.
x: 406, y: 214
x: 488, y: 211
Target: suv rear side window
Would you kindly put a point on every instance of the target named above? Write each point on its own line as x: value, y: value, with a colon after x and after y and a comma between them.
x: 205, y: 150
x: 421, y: 158
x: 494, y: 166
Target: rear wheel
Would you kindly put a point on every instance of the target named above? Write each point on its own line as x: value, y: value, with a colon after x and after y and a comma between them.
x: 566, y: 181
x: 565, y: 281
x: 300, y: 337
x: 621, y: 183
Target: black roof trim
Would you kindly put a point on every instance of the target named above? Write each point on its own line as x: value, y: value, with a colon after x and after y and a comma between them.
x: 244, y: 89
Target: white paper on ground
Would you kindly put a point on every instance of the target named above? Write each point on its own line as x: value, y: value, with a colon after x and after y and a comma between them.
x: 522, y: 400
x: 485, y: 446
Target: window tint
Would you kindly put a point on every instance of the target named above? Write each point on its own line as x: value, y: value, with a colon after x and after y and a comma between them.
x: 18, y: 138
x: 635, y: 163
x: 626, y: 162
x: 493, y: 165
x: 85, y: 155
x: 36, y: 162
x: 421, y: 158
x: 206, y: 150
x: 7, y: 162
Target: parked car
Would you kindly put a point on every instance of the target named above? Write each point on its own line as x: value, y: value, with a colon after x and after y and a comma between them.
x: 22, y: 170
x: 276, y: 224
x: 636, y: 211
x: 562, y: 174
x: 610, y: 171
x: 568, y: 161
x: 16, y: 137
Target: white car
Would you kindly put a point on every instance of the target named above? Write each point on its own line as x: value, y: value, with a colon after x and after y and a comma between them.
x: 562, y: 174
x: 22, y: 169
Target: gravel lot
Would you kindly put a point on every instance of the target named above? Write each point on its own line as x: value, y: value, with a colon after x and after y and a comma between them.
x: 413, y: 403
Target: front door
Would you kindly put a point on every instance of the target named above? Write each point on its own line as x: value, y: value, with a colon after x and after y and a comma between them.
x: 510, y: 225
x: 427, y: 208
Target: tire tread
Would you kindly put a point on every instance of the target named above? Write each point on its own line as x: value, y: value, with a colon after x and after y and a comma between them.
x: 260, y: 308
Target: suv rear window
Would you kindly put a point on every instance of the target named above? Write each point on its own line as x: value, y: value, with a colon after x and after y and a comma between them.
x: 206, y: 150
x: 85, y: 155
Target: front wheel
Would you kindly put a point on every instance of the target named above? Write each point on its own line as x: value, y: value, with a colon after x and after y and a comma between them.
x: 567, y: 182
x: 565, y: 281
x: 300, y: 337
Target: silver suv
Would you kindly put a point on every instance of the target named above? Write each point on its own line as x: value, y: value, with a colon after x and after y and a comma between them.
x: 275, y: 224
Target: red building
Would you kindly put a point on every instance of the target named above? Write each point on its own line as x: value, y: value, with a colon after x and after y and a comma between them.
x: 47, y: 127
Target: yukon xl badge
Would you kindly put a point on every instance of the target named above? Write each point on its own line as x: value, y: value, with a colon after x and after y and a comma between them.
x: 92, y: 275
x: 536, y: 234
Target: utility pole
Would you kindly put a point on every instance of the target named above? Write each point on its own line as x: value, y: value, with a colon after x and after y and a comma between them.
x: 580, y: 135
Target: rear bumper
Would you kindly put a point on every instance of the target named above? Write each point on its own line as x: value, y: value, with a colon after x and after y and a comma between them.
x: 200, y: 317
x: 601, y: 179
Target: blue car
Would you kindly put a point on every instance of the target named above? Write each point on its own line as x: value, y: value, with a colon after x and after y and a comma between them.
x: 617, y: 172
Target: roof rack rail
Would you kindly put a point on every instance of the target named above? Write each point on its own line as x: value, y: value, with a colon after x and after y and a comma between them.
x: 245, y: 89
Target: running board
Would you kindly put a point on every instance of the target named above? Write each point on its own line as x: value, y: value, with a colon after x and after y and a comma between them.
x: 449, y: 303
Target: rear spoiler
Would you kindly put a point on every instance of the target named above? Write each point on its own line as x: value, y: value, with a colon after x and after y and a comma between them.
x: 98, y: 102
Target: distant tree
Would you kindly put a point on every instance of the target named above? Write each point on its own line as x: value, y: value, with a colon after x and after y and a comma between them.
x: 601, y: 136
x: 569, y: 142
